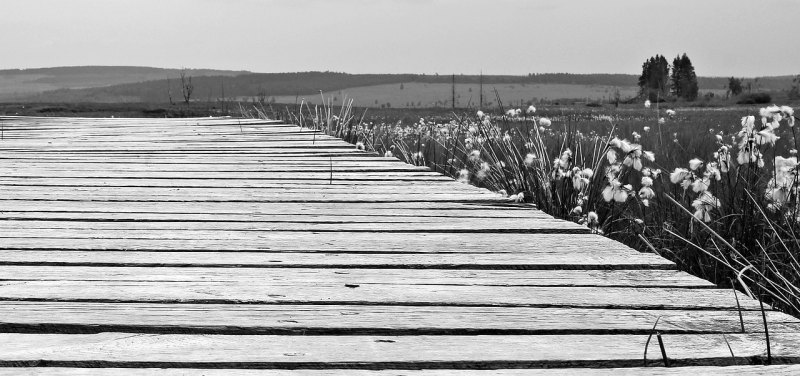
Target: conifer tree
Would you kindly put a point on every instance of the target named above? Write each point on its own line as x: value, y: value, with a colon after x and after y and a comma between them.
x: 654, y: 81
x: 683, y: 79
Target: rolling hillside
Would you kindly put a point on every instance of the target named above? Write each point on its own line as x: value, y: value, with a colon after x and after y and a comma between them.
x: 156, y: 85
x: 22, y: 83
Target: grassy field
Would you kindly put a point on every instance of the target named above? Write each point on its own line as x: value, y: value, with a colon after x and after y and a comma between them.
x: 424, y: 95
x: 709, y: 188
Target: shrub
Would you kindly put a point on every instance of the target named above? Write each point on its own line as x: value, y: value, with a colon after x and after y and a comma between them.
x: 755, y: 98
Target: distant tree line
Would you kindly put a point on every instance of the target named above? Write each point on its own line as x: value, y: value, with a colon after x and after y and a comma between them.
x: 656, y: 80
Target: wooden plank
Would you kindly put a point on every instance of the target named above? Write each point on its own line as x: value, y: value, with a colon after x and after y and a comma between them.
x: 378, y: 216
x: 279, y: 319
x: 239, y: 211
x: 326, y: 176
x: 337, y: 277
x: 159, y: 256
x: 383, y: 352
x: 400, y: 294
x: 205, y: 228
x: 184, y: 167
x: 778, y: 370
x: 533, y: 246
x: 318, y: 151
x: 293, y: 188
x: 439, y: 209
x: 179, y: 195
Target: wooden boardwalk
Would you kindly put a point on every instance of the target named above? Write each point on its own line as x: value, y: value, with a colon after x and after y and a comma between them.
x: 222, y: 246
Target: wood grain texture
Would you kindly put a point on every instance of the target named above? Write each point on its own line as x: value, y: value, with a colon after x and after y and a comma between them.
x: 653, y: 370
x: 282, y: 276
x: 156, y: 253
x: 383, y: 352
x: 401, y: 294
x: 288, y: 319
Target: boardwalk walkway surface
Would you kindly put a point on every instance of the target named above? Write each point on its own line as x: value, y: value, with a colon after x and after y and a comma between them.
x: 210, y: 246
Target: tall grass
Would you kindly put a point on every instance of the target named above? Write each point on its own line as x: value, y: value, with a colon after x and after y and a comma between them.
x: 714, y: 191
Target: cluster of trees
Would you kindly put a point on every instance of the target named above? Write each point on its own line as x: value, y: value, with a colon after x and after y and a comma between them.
x: 659, y: 79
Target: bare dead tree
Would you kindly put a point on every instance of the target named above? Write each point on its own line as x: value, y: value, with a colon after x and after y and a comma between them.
x: 186, y: 86
x: 262, y: 95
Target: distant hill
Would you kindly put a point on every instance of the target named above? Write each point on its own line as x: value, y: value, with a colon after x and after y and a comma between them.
x: 20, y: 83
x: 300, y: 83
x: 155, y: 85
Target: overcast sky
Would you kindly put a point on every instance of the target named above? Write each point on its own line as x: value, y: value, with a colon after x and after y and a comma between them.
x: 722, y: 37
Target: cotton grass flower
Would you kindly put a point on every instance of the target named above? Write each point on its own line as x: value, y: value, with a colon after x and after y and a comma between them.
x: 531, y: 110
x: 785, y: 170
x: 483, y: 171
x: 580, y: 178
x: 544, y: 122
x: 634, y: 157
x: 703, y: 206
x: 646, y: 192
x: 463, y: 176
x: 616, y: 191
x: 701, y: 185
x: 766, y: 136
x: 695, y: 163
x: 592, y: 219
x: 529, y: 159
x: 360, y: 146
x: 647, y: 104
x: 670, y: 112
x: 679, y: 175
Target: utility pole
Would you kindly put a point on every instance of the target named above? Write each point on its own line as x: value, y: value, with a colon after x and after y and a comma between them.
x: 222, y: 88
x: 454, y: 91
x: 480, y: 106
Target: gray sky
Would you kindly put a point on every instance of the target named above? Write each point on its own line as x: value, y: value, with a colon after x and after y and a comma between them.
x: 722, y: 37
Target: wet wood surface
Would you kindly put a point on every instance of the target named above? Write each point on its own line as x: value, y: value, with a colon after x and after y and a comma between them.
x: 238, y: 247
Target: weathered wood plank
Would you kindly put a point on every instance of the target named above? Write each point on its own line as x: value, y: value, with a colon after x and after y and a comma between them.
x: 160, y: 256
x: 440, y: 209
x: 533, y: 246
x: 383, y: 352
x: 652, y: 370
x: 72, y: 192
x: 341, y: 175
x: 237, y: 319
x: 246, y: 211
x: 338, y: 277
x: 41, y: 168
x: 400, y: 294
x: 120, y: 228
